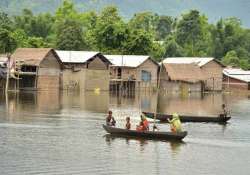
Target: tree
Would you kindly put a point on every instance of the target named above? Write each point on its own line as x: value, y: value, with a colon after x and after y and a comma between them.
x: 34, y: 26
x: 110, y: 31
x: 144, y: 20
x: 163, y: 27
x: 244, y: 64
x: 193, y: 34
x: 20, y: 37
x: 36, y: 42
x: 172, y: 49
x: 139, y: 42
x: 41, y: 25
x: 24, y: 20
x: 65, y: 12
x: 7, y: 42
x: 157, y: 51
x: 5, y: 22
x: 231, y: 59
x: 218, y: 39
x: 69, y: 36
x: 69, y: 27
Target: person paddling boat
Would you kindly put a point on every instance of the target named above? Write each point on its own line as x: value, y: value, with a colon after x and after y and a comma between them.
x: 175, y: 123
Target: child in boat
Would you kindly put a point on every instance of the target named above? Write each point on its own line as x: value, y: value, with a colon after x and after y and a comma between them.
x: 110, y: 121
x: 224, y: 111
x: 145, y: 123
x: 140, y: 127
x: 155, y: 128
x: 128, y: 124
x: 175, y: 123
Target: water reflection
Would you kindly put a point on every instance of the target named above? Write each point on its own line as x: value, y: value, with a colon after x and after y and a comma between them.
x: 53, y: 102
x: 194, y: 103
x: 175, y: 147
x: 89, y: 101
x: 61, y: 133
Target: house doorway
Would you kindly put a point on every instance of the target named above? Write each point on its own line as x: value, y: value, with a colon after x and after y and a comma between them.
x: 27, y: 82
x: 119, y: 73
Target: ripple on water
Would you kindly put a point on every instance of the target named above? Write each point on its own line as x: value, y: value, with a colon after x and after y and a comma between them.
x: 71, y: 140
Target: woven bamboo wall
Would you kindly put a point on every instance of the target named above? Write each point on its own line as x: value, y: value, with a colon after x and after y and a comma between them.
x: 73, y: 80
x: 212, y: 72
x: 97, y: 79
x: 48, y: 73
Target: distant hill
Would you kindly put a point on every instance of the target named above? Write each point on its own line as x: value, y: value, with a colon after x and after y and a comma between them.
x: 214, y: 9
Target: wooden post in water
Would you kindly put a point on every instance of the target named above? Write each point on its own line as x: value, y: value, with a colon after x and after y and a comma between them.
x: 8, y: 75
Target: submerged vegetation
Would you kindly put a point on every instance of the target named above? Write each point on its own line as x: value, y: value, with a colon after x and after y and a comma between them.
x: 145, y: 33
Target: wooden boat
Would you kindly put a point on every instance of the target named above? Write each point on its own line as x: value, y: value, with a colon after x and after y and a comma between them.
x: 145, y: 134
x: 186, y: 118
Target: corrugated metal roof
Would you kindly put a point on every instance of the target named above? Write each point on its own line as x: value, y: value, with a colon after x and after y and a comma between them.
x: 127, y: 60
x: 75, y: 56
x: 238, y: 74
x: 3, y: 61
x: 200, y: 61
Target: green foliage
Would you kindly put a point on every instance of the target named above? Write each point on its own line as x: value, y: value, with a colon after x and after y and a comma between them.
x: 231, y: 58
x: 192, y: 34
x: 36, y: 42
x: 164, y: 27
x: 5, y: 21
x: 157, y: 51
x: 139, y: 42
x: 110, y: 32
x: 7, y: 42
x: 244, y: 64
x: 145, y: 20
x: 239, y: 8
x: 146, y: 33
x: 36, y: 26
x: 172, y: 48
x: 21, y: 38
x: 69, y: 36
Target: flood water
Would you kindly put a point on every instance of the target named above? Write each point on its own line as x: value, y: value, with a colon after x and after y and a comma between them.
x: 56, y: 133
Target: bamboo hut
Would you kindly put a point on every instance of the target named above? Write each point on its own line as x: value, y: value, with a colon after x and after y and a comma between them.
x: 35, y: 69
x: 84, y: 70
x: 207, y: 71
x: 140, y: 71
x: 235, y: 78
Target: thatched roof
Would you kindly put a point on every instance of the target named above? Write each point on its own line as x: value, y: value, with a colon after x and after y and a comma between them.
x: 184, y: 72
x: 31, y: 56
x: 199, y: 61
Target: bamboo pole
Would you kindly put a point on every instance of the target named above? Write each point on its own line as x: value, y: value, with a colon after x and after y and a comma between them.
x: 157, y: 92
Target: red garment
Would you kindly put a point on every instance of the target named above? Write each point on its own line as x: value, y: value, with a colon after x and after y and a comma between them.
x: 145, y: 125
x: 139, y: 128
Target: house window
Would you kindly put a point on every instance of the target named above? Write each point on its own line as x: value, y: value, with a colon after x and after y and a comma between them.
x: 25, y: 68
x: 145, y: 76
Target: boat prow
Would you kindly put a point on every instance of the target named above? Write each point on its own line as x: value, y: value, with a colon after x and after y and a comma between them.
x: 158, y: 135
